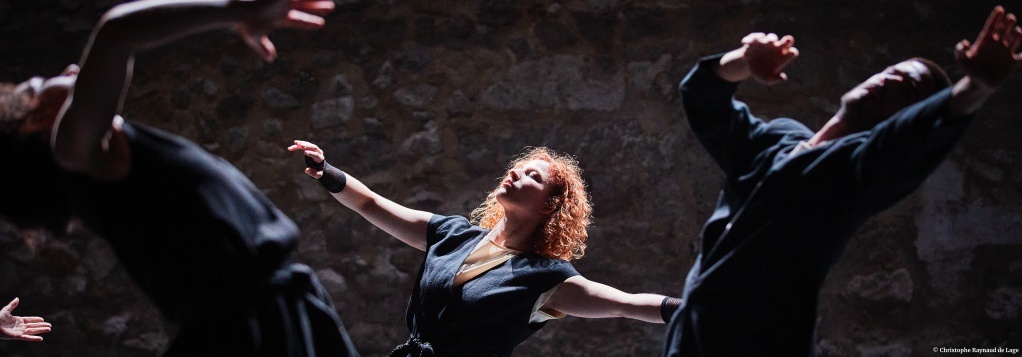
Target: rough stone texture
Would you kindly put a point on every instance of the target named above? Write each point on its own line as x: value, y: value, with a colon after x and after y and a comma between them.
x: 426, y: 102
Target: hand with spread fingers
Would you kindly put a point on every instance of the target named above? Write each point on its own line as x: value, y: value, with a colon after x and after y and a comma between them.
x: 994, y: 55
x: 302, y: 14
x: 21, y: 328
x: 767, y: 55
x: 762, y: 56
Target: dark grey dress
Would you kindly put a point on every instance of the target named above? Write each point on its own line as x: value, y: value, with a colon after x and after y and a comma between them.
x: 486, y: 316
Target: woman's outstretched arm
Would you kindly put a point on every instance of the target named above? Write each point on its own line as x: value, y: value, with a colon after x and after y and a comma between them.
x: 406, y: 224
x: 578, y: 296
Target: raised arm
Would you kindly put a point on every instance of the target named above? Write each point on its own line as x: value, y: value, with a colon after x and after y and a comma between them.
x: 725, y: 126
x: 85, y: 120
x: 20, y: 328
x: 903, y: 150
x: 406, y: 224
x: 578, y: 296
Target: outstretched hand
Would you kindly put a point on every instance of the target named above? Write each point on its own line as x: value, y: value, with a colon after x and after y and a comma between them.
x: 21, y: 328
x: 312, y: 152
x: 994, y: 55
x: 270, y: 14
x: 767, y: 55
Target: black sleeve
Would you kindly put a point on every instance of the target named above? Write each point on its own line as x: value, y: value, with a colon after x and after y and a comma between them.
x: 902, y: 151
x: 441, y: 227
x: 725, y: 126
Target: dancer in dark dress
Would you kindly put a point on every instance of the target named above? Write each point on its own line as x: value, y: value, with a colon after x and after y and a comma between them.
x: 197, y: 236
x: 792, y: 198
x: 484, y: 287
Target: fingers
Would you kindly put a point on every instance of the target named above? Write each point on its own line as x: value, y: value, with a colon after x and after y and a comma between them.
x: 10, y: 307
x: 960, y: 50
x: 771, y: 37
x: 313, y: 172
x: 752, y: 37
x: 1009, y: 28
x: 992, y: 22
x: 302, y: 20
x: 787, y: 41
x: 262, y: 45
x: 34, y: 320
x: 30, y: 338
x: 317, y: 7
x: 36, y: 330
x: 71, y: 70
x: 303, y: 145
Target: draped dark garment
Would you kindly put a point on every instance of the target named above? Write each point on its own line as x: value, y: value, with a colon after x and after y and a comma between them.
x: 211, y: 251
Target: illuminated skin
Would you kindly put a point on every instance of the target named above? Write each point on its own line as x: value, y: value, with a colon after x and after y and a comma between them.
x: 21, y: 328
x: 889, y: 91
x: 522, y: 194
x: 85, y: 136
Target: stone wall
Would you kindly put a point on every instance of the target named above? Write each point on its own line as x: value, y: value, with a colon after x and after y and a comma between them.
x: 426, y: 102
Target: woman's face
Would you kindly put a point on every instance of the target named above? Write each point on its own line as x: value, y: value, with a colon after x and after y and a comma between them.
x: 526, y: 189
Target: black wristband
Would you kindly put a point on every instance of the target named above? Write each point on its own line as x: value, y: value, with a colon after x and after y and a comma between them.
x: 312, y: 164
x: 333, y: 178
x: 668, y: 307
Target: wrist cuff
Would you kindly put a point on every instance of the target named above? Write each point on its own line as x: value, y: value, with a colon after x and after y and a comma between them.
x: 668, y: 306
x: 333, y: 178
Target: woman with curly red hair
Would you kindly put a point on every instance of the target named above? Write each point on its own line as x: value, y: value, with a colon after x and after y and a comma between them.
x: 487, y: 285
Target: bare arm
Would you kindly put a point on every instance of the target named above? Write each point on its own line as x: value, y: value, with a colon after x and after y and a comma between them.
x: 406, y: 224
x: 987, y: 63
x: 578, y: 296
x: 85, y: 120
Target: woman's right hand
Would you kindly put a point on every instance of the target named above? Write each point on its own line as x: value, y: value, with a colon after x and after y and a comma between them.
x: 312, y: 152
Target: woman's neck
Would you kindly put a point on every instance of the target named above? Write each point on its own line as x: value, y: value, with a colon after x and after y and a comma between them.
x: 514, y: 233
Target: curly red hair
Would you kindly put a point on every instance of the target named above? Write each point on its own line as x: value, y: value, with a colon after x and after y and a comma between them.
x: 563, y: 232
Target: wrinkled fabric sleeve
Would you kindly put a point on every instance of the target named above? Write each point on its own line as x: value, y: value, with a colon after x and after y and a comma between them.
x: 899, y: 153
x: 724, y: 126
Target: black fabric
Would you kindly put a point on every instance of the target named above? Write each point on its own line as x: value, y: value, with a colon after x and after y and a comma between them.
x: 488, y: 315
x: 782, y: 220
x: 202, y: 241
x: 668, y: 307
x: 312, y: 164
x: 413, y: 347
x: 333, y: 179
x: 31, y: 195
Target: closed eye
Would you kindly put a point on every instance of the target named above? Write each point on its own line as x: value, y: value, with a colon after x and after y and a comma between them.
x: 535, y: 176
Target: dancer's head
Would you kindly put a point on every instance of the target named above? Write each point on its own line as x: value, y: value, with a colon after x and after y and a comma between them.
x: 891, y: 90
x: 544, y: 184
x: 31, y: 195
